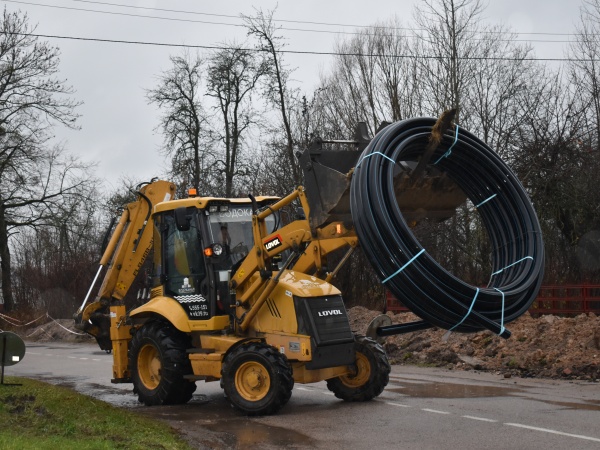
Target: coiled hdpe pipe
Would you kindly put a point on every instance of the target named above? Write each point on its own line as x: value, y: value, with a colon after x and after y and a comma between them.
x: 405, y: 267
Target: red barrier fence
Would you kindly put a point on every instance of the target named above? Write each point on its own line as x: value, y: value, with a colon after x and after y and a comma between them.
x: 392, y: 303
x: 569, y: 300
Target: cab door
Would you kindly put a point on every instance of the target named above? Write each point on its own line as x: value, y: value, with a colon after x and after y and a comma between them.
x: 182, y: 267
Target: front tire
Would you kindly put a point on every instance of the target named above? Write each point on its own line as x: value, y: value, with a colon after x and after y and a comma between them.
x: 158, y: 362
x: 371, y: 377
x: 257, y: 379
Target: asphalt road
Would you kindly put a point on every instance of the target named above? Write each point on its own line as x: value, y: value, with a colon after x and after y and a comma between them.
x: 422, y: 408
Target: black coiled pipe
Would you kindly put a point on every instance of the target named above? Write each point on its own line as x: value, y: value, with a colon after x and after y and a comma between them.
x: 406, y: 268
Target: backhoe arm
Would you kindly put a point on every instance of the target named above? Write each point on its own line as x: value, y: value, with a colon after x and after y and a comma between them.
x: 130, y: 244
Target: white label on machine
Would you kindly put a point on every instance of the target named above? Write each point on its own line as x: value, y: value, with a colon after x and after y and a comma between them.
x: 16, y: 359
x: 113, y: 314
x: 224, y: 276
x: 167, y: 197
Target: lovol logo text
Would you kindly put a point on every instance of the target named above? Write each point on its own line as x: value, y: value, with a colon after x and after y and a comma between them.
x: 333, y: 312
x: 273, y: 243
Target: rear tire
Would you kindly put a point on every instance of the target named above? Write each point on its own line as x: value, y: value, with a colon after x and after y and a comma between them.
x: 257, y: 379
x: 158, y: 362
x: 371, y: 377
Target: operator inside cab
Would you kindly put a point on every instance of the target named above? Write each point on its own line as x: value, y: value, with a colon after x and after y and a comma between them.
x: 199, y: 281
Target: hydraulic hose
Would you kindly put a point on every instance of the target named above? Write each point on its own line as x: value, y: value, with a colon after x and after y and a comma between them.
x: 405, y: 267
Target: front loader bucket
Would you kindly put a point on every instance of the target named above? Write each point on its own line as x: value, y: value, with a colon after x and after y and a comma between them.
x: 327, y: 183
x: 328, y: 172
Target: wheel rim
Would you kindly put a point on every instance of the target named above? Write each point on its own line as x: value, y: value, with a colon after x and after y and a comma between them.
x: 362, y: 375
x: 149, y: 366
x: 252, y: 381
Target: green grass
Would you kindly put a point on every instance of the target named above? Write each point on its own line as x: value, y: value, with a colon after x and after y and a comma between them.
x: 42, y: 416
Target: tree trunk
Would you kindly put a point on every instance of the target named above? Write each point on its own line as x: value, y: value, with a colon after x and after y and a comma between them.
x: 5, y: 263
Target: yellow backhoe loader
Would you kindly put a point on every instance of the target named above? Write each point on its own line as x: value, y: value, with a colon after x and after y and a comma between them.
x: 239, y: 296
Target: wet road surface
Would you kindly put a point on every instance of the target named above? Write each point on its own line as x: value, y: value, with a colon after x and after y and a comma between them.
x: 422, y: 408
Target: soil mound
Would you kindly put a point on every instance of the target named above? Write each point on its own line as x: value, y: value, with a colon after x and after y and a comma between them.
x: 548, y: 346
x: 62, y: 330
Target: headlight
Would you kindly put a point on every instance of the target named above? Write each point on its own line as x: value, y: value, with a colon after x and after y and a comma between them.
x: 217, y: 249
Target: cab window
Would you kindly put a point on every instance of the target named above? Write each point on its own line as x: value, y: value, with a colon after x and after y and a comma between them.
x: 233, y: 229
x: 183, y: 262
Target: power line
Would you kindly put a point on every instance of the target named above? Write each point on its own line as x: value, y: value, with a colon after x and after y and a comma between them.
x: 173, y: 19
x: 332, y: 24
x: 113, y: 13
x: 297, y: 52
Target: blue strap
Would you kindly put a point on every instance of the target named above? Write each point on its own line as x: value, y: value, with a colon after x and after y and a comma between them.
x: 375, y: 153
x: 403, y: 267
x: 502, y: 316
x: 468, y: 312
x: 445, y: 155
x: 486, y: 200
x: 510, y: 265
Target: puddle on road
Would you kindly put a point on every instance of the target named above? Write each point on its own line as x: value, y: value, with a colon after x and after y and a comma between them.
x: 588, y: 406
x: 212, y: 421
x: 450, y: 390
x: 249, y: 434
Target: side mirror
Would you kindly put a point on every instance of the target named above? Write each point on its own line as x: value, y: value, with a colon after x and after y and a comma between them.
x: 182, y: 219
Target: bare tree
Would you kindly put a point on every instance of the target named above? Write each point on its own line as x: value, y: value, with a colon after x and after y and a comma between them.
x: 183, y: 124
x: 496, y: 97
x: 36, y: 180
x: 446, y: 46
x: 233, y: 73
x: 558, y: 164
x: 53, y: 264
x: 374, y: 79
x: 584, y: 67
x: 278, y: 90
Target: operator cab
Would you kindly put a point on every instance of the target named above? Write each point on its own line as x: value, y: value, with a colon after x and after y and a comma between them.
x: 202, y: 243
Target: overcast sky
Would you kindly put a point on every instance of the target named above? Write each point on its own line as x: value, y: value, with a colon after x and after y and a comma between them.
x: 117, y: 124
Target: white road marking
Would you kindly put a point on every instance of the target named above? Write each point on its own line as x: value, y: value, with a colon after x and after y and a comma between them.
x: 328, y: 393
x: 398, y: 404
x: 482, y: 419
x: 434, y: 411
x: 300, y: 388
x: 518, y: 425
x: 547, y: 430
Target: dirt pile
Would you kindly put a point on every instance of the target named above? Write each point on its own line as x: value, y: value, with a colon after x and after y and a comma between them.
x: 548, y: 346
x: 60, y: 330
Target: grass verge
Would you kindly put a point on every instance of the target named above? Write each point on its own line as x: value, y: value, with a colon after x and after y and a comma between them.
x: 41, y: 416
